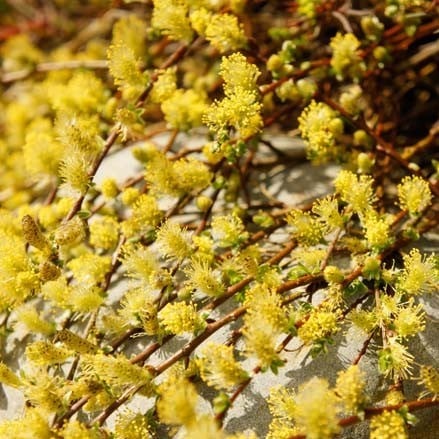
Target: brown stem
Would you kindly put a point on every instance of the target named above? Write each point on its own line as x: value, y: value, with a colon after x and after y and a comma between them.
x: 99, y: 420
x: 330, y: 250
x: 119, y: 341
x: 171, y: 141
x: 71, y: 411
x: 51, y: 195
x: 363, y: 349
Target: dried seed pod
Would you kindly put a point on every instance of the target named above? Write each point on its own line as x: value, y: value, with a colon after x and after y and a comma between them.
x: 49, y: 271
x: 32, y: 233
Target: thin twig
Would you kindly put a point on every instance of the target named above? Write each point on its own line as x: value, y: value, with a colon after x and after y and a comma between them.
x: 344, y: 21
x: 94, y: 64
x: 363, y: 349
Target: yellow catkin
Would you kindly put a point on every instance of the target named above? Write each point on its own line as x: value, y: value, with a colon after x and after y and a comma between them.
x: 75, y: 342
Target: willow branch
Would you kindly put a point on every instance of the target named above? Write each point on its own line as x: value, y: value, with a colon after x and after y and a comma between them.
x: 369, y: 412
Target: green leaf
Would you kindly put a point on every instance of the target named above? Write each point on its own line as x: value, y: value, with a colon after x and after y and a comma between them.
x: 297, y: 272
x: 409, y: 418
x: 357, y: 287
x: 84, y: 214
x: 275, y: 365
x: 221, y: 403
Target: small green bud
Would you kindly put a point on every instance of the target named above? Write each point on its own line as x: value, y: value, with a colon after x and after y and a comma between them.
x: 355, y: 288
x: 381, y: 54
x: 230, y: 197
x: 221, y: 403
x: 262, y: 219
x: 411, y: 234
x: 288, y: 91
x: 219, y: 182
x: 307, y: 87
x: 233, y: 182
x: 203, y: 203
x: 275, y: 63
x: 410, y: 29
x: 365, y: 163
x: 333, y: 275
x: 286, y: 70
x: 84, y: 214
x: 372, y: 27
x: 336, y: 126
x: 371, y: 268
x: 185, y: 293
x: 361, y: 138
x: 279, y: 33
x: 297, y: 271
x: 238, y: 211
x: 289, y: 50
x: 305, y: 65
x: 391, y: 11
x: 409, y: 418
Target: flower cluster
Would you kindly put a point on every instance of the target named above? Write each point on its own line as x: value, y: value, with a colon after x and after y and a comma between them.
x: 171, y: 17
x: 388, y: 425
x: 179, y: 318
x: 346, y: 60
x: 218, y: 368
x: 414, y: 194
x: 350, y: 388
x: 265, y: 320
x: 319, y: 325
x: 420, y: 274
x: 320, y: 126
x: 223, y: 31
x: 356, y: 191
x: 115, y: 371
x: 312, y: 410
x: 240, y: 109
